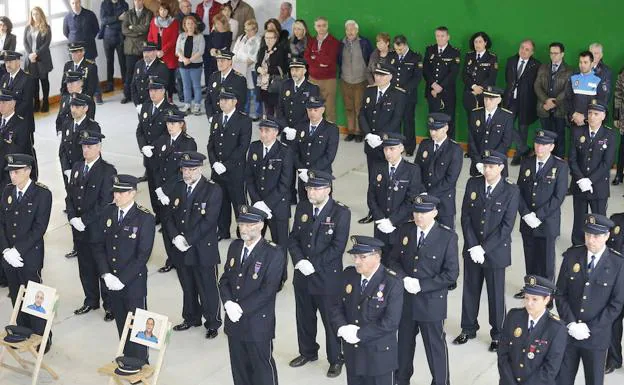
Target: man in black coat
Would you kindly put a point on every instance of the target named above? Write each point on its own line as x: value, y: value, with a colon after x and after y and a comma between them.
x: 230, y: 135
x: 317, y: 242
x: 488, y: 216
x: 590, y: 296
x: 145, y: 69
x: 225, y: 78
x: 425, y: 258
x: 366, y: 315
x: 122, y: 255
x: 20, y: 83
x: 190, y: 223
x: 592, y: 153
x: 79, y: 63
x: 74, y: 82
x: 248, y: 288
x: 600, y: 69
x: 616, y: 242
x: 520, y: 97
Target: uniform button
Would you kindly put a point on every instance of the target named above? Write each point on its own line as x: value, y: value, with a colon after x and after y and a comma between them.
x: 114, y: 247
x: 357, y: 321
x: 237, y: 287
x: 582, y: 310
x: 522, y: 365
x: 115, y: 271
x: 114, y: 259
x: 356, y: 345
x: 584, y: 297
x: 358, y: 307
x: 240, y: 274
x: 116, y: 236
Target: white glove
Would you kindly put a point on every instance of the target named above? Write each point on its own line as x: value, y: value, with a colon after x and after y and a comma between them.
x: 162, y: 197
x: 233, y: 311
x: 373, y: 140
x: 477, y: 254
x: 180, y: 243
x: 412, y: 285
x: 290, y: 133
x: 67, y: 174
x: 532, y: 220
x: 112, y: 282
x: 138, y: 108
x: 59, y: 133
x: 385, y: 226
x: 147, y: 151
x: 77, y: 224
x: 12, y: 256
x: 218, y: 167
x: 578, y: 331
x: 305, y: 267
x: 263, y: 206
x: 585, y: 184
x: 210, y: 120
x: 303, y: 174
x: 479, y: 167
x: 349, y: 333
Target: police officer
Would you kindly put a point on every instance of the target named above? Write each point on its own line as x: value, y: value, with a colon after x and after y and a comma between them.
x: 190, y: 224
x: 74, y: 82
x: 21, y: 85
x: 317, y: 241
x: 79, y: 63
x: 616, y: 242
x: 391, y: 188
x: 382, y: 111
x: 229, y: 139
x: 167, y: 154
x: 145, y: 69
x: 440, y: 160
x: 592, y: 152
x: 533, y: 340
x: 488, y: 215
x: 371, y: 295
x: 268, y: 177
x: 89, y: 191
x: 440, y: 70
x: 589, y: 299
x: 248, y: 287
x: 426, y: 259
x: 122, y: 255
x: 26, y: 207
x: 584, y: 87
x: 225, y: 78
x: 316, y: 143
x: 543, y: 183
x: 491, y: 128
x: 409, y: 72
x: 480, y: 69
x: 152, y: 125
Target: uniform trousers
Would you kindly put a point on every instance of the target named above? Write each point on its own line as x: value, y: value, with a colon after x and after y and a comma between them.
x: 539, y: 255
x: 152, y: 184
x: 252, y: 362
x: 327, y: 89
x: 131, y: 61
x: 17, y: 276
x: 92, y: 285
x: 306, y: 307
x: 474, y: 275
x: 352, y: 95
x: 409, y: 126
x: 580, y: 206
x: 444, y: 102
x: 233, y: 197
x: 382, y: 379
x: 614, y: 357
x: 200, y: 295
x: 593, y: 365
x: 121, y: 304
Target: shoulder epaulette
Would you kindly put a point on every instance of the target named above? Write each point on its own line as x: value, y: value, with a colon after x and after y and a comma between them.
x: 556, y: 157
x: 271, y: 243
x: 160, y: 61
x: 477, y: 109
x: 452, y: 140
x: 445, y: 227
x: 210, y: 181
x: 616, y: 252
x: 42, y: 185
x: 401, y: 89
x: 186, y: 135
x: 506, y: 110
x: 89, y: 61
x: 508, y: 181
x: 20, y: 117
x: 238, y: 73
x: 391, y: 272
x: 554, y: 316
x: 341, y: 204
x: 144, y: 209
x: 492, y: 53
x: 243, y: 113
x: 371, y: 86
x: 457, y: 59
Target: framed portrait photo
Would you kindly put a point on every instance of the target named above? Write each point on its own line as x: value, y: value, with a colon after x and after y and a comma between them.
x: 149, y: 329
x: 39, y: 300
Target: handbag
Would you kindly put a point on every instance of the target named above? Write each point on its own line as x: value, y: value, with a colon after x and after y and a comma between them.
x: 276, y: 81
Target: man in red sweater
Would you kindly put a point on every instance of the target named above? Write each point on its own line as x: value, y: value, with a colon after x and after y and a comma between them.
x: 321, y: 54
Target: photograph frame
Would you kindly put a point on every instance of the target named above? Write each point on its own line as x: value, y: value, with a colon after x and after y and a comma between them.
x: 159, y: 329
x: 39, y: 297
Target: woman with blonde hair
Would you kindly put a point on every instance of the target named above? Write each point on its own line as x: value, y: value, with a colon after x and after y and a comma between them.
x: 245, y: 54
x: 189, y: 50
x: 220, y: 38
x: 299, y: 38
x: 37, y: 38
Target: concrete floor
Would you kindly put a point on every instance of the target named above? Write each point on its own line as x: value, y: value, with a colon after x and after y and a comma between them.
x: 84, y: 343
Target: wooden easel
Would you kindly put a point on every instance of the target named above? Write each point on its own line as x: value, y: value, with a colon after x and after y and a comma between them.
x: 15, y: 349
x: 148, y: 374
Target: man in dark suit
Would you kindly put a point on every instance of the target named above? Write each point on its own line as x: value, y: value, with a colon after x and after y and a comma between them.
x: 316, y: 143
x: 491, y: 128
x: 225, y: 78
x: 543, y: 183
x: 190, y: 223
x: 520, y: 98
x: 590, y: 296
x: 248, y: 288
x: 382, y: 111
x: 409, y: 72
x: 145, y: 69
x: 592, y: 153
x: 488, y: 216
x: 533, y: 340
x: 426, y: 259
x: 601, y: 69
x: 74, y: 82
x: 440, y: 70
x: 79, y: 63
x: 440, y: 160
x: 317, y: 241
x: 89, y: 191
x: 616, y: 242
x: 366, y: 315
x: 391, y: 188
x: 21, y: 85
x: 122, y: 255
x: 81, y: 24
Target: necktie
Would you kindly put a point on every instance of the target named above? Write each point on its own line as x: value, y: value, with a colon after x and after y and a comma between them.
x: 401, y: 58
x: 266, y: 151
x: 172, y: 140
x: 421, y: 240
x: 153, y: 110
x: 75, y: 127
x: 478, y: 56
x: 363, y: 285
x: 146, y: 67
x: 539, y: 166
x: 590, y: 265
x: 488, y: 119
x: 591, y: 135
x: 555, y: 67
x: 75, y: 67
x: 392, y: 171
x: 85, y: 171
x: 19, y: 196
x: 11, y: 78
x: 225, y: 120
x: 121, y: 216
x: 488, y: 192
x: 520, y: 69
x: 436, y: 147
x: 440, y: 51
x: 379, y: 96
x: 531, y: 326
x: 245, y: 255
x: 189, y: 190
x: 296, y: 89
x: 316, y: 212
x: 312, y: 129
x: 222, y: 79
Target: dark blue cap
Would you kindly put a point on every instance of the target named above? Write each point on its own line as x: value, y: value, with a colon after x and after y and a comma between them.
x: 269, y: 123
x: 392, y: 139
x: 493, y: 92
x: 17, y: 161
x: 319, y: 179
x: 437, y: 120
x: 17, y: 333
x: 150, y: 46
x: 175, y: 116
x: 597, y: 224
x: 73, y: 76
x: 596, y: 106
x: 536, y: 285
x: 90, y: 137
x: 227, y: 93
x: 424, y: 203
x: 6, y: 95
x: 493, y: 157
x: 124, y: 182
x: 250, y: 214
x: 364, y: 245
x: 79, y: 99
x: 128, y: 366
x: 156, y: 83
x: 192, y: 159
x: 385, y: 69
x: 11, y: 55
x: 297, y: 62
x: 224, y: 54
x: 545, y: 137
x: 315, y: 102
x: 76, y: 46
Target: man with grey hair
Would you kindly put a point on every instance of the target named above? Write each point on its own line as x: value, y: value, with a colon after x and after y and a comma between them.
x: 285, y: 17
x: 600, y: 68
x: 352, y: 65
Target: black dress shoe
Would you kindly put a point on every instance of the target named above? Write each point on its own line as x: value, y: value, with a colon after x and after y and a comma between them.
x: 124, y: 100
x: 349, y: 138
x: 617, y: 180
x: 610, y: 368
x: 453, y: 286
x: 185, y: 326
x: 71, y: 254
x: 516, y: 160
x: 462, y: 338
x: 493, y: 346
x: 519, y: 295
x: 142, y: 179
x: 366, y: 219
x: 334, y: 370
x: 300, y: 361
x: 165, y: 269
x: 359, y: 139
x: 108, y: 316
x: 84, y: 309
x: 211, y: 333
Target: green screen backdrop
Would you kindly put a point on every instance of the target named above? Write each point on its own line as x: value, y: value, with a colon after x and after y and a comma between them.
x: 575, y: 23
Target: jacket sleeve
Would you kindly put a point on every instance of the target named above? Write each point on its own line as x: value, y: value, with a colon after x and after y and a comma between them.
x: 394, y: 259
x: 294, y: 238
x: 254, y: 195
x: 575, y: 170
x: 143, y: 251
x: 364, y: 127
x: 470, y: 237
x: 404, y: 211
x: 503, y: 232
x: 326, y: 160
x: 371, y: 196
x: 39, y: 226
x: 609, y: 313
x: 389, y: 323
